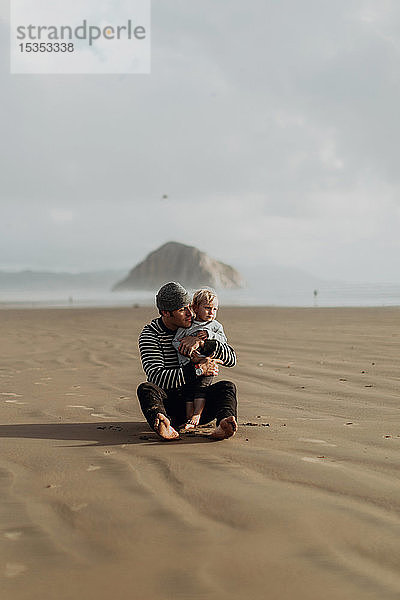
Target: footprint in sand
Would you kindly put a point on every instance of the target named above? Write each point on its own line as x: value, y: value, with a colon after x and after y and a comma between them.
x: 13, y: 535
x: 93, y: 468
x: 321, y: 460
x: 14, y: 569
x: 78, y: 507
x: 312, y: 441
x: 100, y: 415
x: 14, y: 402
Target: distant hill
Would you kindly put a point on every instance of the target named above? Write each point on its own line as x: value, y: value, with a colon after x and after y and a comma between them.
x: 178, y: 262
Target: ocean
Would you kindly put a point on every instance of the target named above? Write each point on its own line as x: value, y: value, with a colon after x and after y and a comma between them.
x: 327, y: 294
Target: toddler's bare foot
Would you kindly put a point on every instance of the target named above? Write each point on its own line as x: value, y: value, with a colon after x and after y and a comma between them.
x: 192, y: 423
x: 226, y: 429
x: 163, y: 427
x: 188, y: 426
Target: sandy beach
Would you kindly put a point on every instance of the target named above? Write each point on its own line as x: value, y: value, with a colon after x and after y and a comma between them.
x: 304, y: 502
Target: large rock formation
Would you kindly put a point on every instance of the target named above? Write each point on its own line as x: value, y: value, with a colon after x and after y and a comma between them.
x: 178, y: 262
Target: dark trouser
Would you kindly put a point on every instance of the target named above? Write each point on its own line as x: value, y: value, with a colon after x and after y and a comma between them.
x: 220, y: 403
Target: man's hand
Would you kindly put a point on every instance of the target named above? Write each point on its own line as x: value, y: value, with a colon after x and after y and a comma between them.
x: 189, y: 344
x: 208, y: 365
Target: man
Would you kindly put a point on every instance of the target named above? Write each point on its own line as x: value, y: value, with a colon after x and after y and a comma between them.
x: 162, y: 397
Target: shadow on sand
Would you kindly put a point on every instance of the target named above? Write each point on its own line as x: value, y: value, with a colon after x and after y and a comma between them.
x: 96, y: 434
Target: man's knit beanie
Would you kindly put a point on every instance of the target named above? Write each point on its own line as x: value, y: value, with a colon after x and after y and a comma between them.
x: 172, y: 296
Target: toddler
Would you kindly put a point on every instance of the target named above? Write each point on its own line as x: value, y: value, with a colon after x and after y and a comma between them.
x: 205, y: 327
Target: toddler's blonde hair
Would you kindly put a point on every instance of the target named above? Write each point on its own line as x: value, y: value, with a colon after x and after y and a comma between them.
x: 203, y: 295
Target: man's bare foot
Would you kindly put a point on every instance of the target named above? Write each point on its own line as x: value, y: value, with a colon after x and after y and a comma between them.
x: 226, y: 429
x: 163, y: 427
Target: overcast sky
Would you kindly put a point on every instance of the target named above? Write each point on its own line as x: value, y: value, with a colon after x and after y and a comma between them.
x: 273, y: 127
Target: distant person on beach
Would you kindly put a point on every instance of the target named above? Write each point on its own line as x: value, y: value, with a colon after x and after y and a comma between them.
x: 206, y: 328
x: 163, y: 397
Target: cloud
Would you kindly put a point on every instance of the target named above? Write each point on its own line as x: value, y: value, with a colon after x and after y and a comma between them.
x: 272, y: 128
x: 61, y: 215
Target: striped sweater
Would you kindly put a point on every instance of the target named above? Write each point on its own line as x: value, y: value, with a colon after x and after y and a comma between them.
x: 160, y: 359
